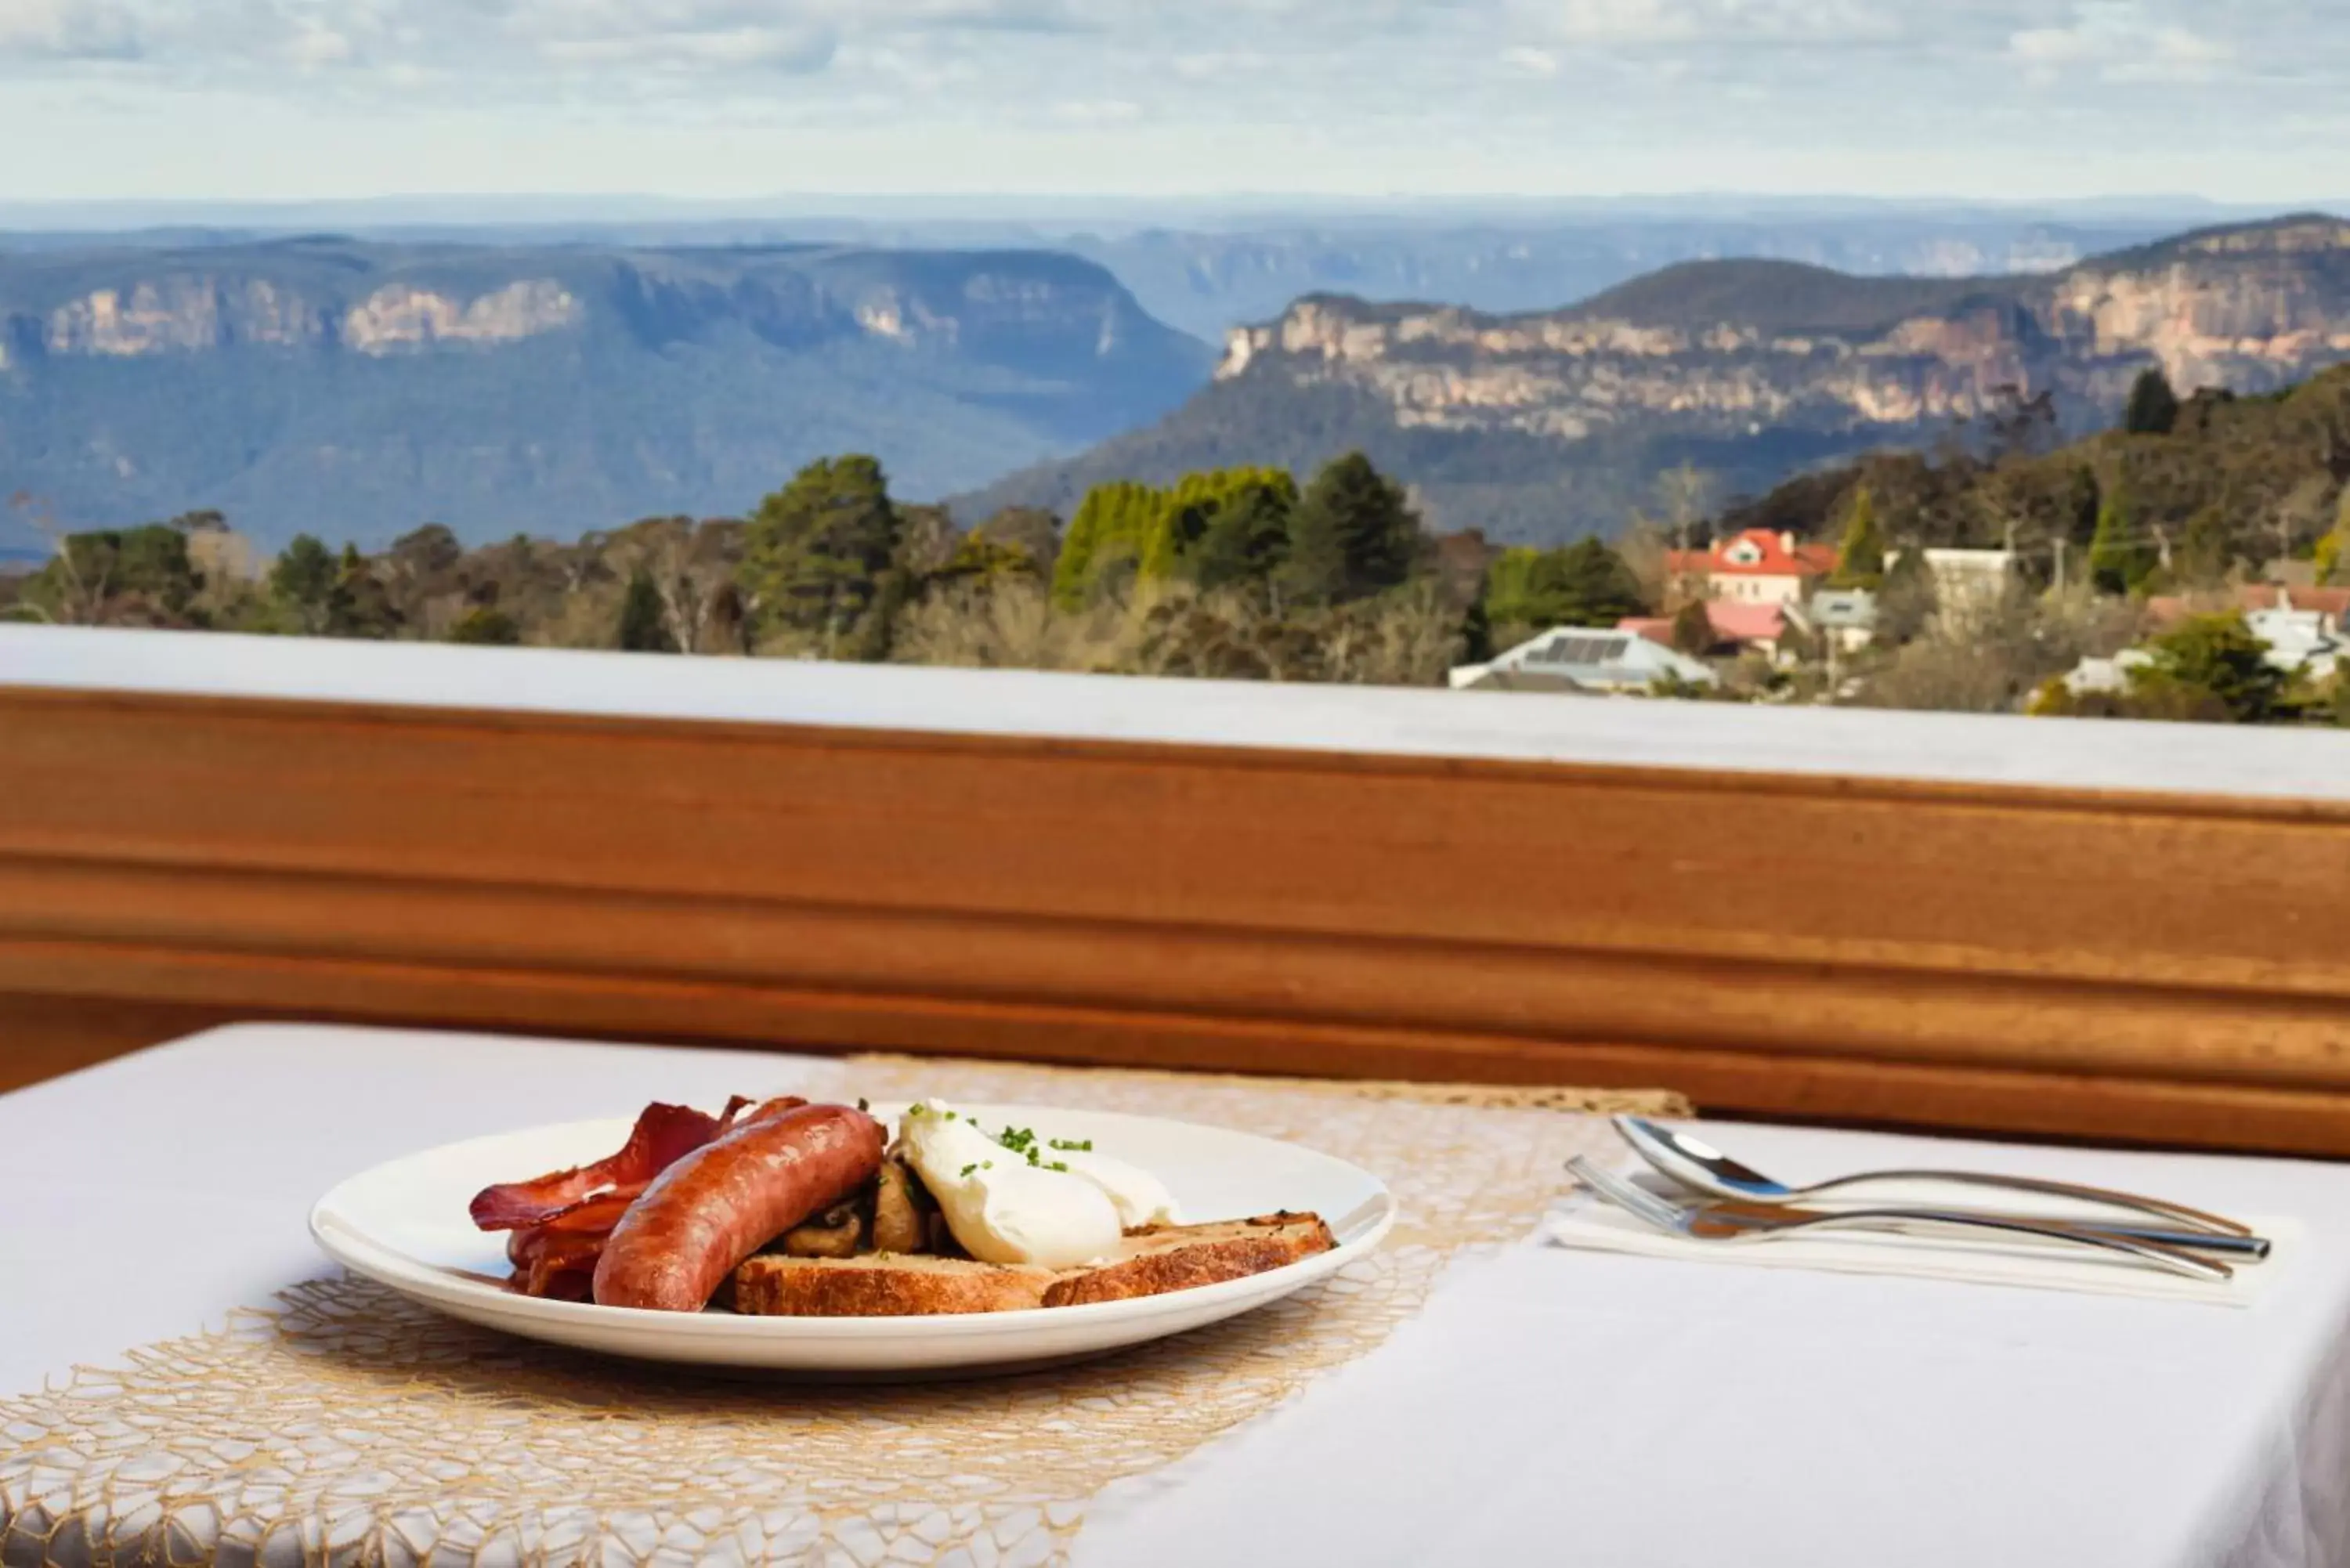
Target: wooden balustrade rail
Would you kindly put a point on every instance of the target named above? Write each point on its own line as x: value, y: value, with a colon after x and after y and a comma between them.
x: 1971, y: 956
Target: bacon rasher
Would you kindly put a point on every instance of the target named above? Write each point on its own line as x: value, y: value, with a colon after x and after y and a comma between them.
x: 559, y: 1221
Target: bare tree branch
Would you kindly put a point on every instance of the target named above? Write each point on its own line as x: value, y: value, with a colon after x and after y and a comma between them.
x: 85, y: 600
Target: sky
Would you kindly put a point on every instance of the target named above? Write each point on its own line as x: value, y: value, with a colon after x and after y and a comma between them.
x: 2241, y: 100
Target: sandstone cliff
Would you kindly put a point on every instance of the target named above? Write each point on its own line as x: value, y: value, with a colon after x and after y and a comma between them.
x: 2249, y: 310
x: 1550, y: 424
x: 359, y: 390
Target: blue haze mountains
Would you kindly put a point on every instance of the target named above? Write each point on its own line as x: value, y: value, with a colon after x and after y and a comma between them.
x: 541, y: 370
x: 355, y: 390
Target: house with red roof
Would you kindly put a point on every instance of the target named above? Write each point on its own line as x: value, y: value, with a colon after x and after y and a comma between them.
x: 1755, y: 566
x: 1736, y: 627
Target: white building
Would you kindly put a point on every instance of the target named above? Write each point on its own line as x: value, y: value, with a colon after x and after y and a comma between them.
x: 1753, y: 567
x: 1847, y: 618
x: 2300, y: 639
x: 2106, y: 675
x: 1967, y: 584
x: 1578, y: 658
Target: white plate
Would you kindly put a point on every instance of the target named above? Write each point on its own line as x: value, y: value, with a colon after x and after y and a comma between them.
x: 404, y: 1224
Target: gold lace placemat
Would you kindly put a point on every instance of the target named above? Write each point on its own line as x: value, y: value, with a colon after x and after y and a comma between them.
x: 345, y: 1426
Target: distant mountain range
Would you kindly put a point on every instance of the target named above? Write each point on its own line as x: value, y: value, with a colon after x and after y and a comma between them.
x: 553, y: 379
x: 1543, y: 426
x: 357, y: 389
x: 1207, y: 283
x: 1205, y: 272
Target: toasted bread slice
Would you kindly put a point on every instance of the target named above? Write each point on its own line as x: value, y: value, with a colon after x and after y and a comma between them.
x: 1163, y: 1258
x: 1153, y: 1261
x: 883, y: 1284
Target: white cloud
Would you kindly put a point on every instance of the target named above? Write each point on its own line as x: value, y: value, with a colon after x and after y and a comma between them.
x: 2049, y: 45
x: 499, y: 38
x: 1625, y: 21
x: 1097, y: 111
x: 69, y: 30
x: 313, y: 46
x: 1650, y: 23
x: 2120, y: 42
x: 1208, y: 94
x: 1212, y: 65
x: 791, y: 50
x: 2177, y: 55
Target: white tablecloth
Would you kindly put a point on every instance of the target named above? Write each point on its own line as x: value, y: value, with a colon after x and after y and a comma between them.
x: 1547, y: 1406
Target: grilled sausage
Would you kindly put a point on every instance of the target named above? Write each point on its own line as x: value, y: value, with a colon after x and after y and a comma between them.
x: 710, y: 1210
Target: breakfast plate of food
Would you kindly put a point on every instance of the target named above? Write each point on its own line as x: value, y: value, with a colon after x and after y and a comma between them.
x: 898, y: 1239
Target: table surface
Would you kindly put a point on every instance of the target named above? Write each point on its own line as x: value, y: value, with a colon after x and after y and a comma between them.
x: 1568, y: 1397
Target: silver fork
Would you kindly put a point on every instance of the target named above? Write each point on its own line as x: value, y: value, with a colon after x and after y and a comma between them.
x: 1706, y: 1223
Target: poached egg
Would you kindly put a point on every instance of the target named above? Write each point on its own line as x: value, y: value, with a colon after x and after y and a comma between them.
x: 1006, y: 1207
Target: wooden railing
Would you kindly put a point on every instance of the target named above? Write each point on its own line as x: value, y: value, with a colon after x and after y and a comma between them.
x: 2092, y: 962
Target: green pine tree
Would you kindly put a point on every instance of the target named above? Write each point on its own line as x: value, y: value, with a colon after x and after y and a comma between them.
x: 1224, y: 527
x: 1353, y: 533
x: 1594, y: 586
x: 1477, y: 633
x: 815, y: 552
x: 1584, y: 584
x: 1860, y: 560
x: 2153, y: 406
x: 301, y: 586
x: 1105, y: 537
x: 2118, y: 561
x: 2216, y: 657
x: 1246, y: 540
x: 1511, y: 598
x: 1177, y: 522
x: 643, y: 627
